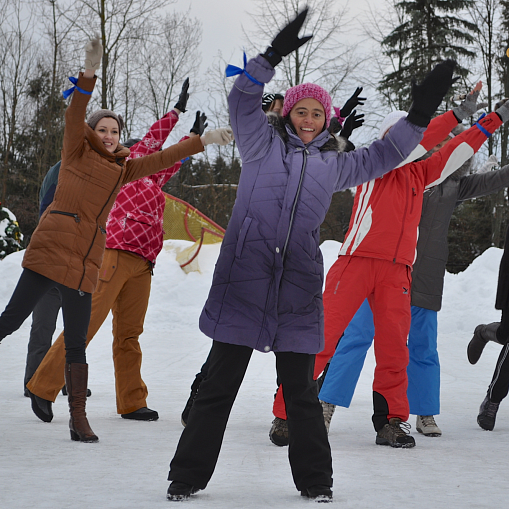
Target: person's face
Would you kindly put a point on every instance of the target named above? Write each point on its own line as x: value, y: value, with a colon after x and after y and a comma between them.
x: 308, y: 118
x: 436, y: 148
x: 107, y: 130
x: 277, y: 106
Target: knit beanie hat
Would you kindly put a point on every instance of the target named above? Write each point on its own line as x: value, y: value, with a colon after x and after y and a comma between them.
x: 267, y: 101
x: 94, y: 117
x: 391, y: 119
x: 308, y: 91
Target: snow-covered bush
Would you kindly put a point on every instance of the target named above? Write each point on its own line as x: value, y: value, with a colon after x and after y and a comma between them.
x: 10, y: 234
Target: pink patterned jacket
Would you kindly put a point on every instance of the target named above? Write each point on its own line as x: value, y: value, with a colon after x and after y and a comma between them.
x: 135, y: 222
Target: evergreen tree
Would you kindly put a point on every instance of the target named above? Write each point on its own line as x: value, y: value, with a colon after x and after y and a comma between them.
x: 210, y: 186
x: 431, y: 32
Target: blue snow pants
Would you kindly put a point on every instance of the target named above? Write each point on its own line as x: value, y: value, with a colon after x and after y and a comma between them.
x: 423, y: 369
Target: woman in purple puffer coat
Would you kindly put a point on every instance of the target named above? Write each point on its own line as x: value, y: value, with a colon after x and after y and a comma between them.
x: 267, y: 288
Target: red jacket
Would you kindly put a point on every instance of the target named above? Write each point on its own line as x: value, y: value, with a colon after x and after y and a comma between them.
x: 135, y: 223
x: 386, y: 212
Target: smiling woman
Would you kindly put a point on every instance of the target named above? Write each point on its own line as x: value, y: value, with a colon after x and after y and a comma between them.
x: 67, y: 247
x: 108, y: 126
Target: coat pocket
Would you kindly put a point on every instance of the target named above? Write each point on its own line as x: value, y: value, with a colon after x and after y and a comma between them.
x: 138, y: 230
x: 242, y: 236
x: 109, y: 265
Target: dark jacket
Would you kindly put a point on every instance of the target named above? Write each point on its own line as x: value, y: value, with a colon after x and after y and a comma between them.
x: 432, y: 249
x: 48, y: 187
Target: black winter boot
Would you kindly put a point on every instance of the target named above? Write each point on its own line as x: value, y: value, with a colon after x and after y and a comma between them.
x: 178, y: 491
x: 318, y: 493
x: 487, y: 414
x: 482, y: 334
x: 142, y: 414
x: 41, y: 407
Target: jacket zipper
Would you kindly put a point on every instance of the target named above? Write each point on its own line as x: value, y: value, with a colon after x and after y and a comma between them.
x: 80, y: 291
x: 414, y: 194
x: 403, y: 218
x: 70, y: 214
x: 294, y: 206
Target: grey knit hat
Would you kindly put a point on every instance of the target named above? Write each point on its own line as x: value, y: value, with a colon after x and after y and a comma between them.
x: 94, y: 117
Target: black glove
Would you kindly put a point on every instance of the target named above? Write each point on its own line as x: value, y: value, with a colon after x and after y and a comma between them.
x: 334, y: 126
x: 199, y: 124
x: 427, y: 96
x: 287, y: 40
x: 352, y: 122
x: 352, y: 103
x: 183, y: 97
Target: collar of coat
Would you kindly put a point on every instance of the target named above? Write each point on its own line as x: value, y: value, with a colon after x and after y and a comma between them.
x: 97, y: 145
x: 324, y: 141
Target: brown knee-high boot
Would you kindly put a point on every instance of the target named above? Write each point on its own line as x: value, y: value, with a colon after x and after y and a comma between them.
x: 76, y: 378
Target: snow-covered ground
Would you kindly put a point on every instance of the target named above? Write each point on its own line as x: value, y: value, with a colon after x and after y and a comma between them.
x: 40, y: 467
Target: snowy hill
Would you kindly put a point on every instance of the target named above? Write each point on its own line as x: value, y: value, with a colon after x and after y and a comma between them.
x: 40, y: 467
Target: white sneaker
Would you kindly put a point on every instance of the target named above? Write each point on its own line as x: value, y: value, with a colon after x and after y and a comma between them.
x: 328, y: 412
x: 426, y: 425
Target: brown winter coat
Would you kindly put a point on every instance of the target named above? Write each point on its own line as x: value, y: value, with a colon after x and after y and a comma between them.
x: 68, y: 244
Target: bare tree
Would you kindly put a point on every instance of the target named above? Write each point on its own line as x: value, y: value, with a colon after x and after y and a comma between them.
x: 327, y: 58
x: 18, y: 49
x: 167, y: 60
x: 484, y: 14
x: 116, y: 21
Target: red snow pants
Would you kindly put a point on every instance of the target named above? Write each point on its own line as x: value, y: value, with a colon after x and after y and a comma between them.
x: 387, y: 286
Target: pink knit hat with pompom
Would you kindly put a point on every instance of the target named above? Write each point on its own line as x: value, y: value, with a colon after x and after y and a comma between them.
x: 304, y: 91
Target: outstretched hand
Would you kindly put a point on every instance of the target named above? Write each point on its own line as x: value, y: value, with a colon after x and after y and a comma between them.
x: 352, y: 103
x: 469, y: 105
x: 183, y: 97
x: 428, y: 95
x: 199, y: 124
x: 502, y: 109
x: 93, y: 53
x: 287, y: 40
x: 221, y: 136
x: 352, y: 122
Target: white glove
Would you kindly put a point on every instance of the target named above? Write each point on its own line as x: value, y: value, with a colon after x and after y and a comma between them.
x: 221, y: 136
x: 489, y: 164
x: 93, y: 54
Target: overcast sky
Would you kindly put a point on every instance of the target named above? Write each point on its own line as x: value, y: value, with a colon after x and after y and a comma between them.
x: 222, y: 22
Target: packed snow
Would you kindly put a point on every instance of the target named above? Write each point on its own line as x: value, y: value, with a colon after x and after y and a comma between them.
x: 40, y: 467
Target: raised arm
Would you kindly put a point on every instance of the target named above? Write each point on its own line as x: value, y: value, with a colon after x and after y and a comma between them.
x: 249, y: 124
x: 153, y: 163
x: 450, y: 157
x: 74, y: 133
x: 161, y: 129
x: 474, y: 186
x: 441, y: 126
x: 365, y: 164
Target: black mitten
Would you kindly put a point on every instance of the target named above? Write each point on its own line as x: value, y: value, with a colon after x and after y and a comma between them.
x: 354, y: 101
x: 183, y: 97
x: 352, y: 122
x: 427, y: 96
x: 199, y: 124
x: 287, y: 40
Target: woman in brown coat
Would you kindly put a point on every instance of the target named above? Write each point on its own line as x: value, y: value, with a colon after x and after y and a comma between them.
x: 67, y: 247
